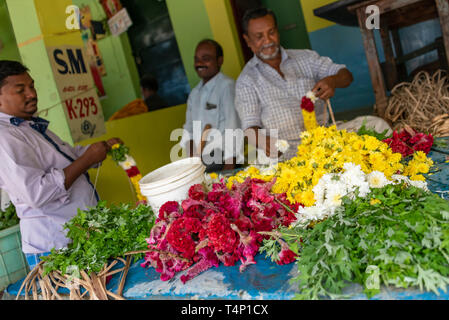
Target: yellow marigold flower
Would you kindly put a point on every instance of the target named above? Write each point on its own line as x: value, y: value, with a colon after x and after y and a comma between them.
x: 252, y: 171
x: 309, y: 120
x: 374, y: 201
x: 417, y: 177
x: 308, y: 198
x: 420, y: 156
x: 371, y: 143
x: 305, y: 135
x: 395, y: 157
x: 287, y: 174
x: 213, y: 175
x: 318, y: 153
x: 423, y: 168
x: 357, y: 145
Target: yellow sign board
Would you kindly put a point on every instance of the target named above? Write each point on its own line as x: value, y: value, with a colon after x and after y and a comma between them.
x: 77, y: 91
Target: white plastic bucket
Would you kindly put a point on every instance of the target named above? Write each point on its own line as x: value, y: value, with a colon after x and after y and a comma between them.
x: 171, y: 182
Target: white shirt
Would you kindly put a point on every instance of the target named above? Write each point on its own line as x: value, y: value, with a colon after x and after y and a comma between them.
x: 212, y: 103
x: 31, y: 172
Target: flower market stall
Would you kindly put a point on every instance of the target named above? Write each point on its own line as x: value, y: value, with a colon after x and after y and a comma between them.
x: 353, y: 215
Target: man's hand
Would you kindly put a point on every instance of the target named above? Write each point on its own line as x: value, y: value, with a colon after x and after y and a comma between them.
x: 113, y: 141
x: 271, y: 149
x: 325, y: 88
x: 257, y: 139
x: 96, y: 152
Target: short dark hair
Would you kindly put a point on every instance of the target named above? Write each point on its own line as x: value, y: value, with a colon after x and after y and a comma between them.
x: 149, y: 82
x: 254, y: 14
x: 218, y: 48
x: 10, y: 68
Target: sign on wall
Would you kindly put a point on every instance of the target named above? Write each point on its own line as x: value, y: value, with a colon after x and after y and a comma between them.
x: 77, y: 91
x: 120, y: 22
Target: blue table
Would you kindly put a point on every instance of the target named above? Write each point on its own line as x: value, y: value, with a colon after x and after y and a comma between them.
x: 264, y: 280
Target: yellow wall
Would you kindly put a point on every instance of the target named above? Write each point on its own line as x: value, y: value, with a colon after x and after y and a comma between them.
x: 313, y: 22
x: 148, y: 137
x: 221, y: 21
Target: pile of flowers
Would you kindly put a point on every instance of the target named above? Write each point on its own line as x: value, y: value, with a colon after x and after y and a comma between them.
x: 407, y: 141
x: 220, y: 225
x: 326, y: 150
x: 351, y: 182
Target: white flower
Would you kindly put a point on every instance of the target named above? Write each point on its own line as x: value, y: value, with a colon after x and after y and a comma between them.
x: 311, y: 96
x: 308, y: 214
x: 268, y: 171
x: 418, y: 184
x: 128, y: 163
x: 282, y: 145
x: 319, y: 191
x: 333, y: 198
x: 364, y: 190
x: 377, y: 179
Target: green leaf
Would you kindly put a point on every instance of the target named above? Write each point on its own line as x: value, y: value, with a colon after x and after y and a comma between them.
x: 403, y: 242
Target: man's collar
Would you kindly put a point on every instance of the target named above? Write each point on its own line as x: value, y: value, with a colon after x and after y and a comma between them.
x: 17, y: 121
x: 36, y: 123
x: 256, y: 60
x: 211, y: 82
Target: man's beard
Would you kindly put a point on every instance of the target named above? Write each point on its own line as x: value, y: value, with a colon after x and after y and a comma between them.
x: 269, y: 56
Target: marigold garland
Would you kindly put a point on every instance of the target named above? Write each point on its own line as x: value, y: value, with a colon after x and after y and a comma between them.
x: 308, y: 111
x: 120, y: 154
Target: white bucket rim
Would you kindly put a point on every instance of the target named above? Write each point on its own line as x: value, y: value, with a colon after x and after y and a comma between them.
x: 194, y: 162
x: 179, y: 181
x: 169, y: 188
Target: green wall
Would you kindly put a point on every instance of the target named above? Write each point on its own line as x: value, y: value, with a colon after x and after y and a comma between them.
x: 122, y: 80
x: 190, y: 24
x: 9, y: 50
x: 291, y: 23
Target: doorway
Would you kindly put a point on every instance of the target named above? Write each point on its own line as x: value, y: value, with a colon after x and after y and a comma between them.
x: 290, y: 19
x: 155, y: 49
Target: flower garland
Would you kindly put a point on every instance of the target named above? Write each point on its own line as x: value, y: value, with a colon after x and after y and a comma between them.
x: 326, y: 150
x: 221, y: 225
x: 120, y: 154
x: 308, y: 111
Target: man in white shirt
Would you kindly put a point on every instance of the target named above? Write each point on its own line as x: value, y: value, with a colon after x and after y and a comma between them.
x: 45, y: 178
x: 211, y: 105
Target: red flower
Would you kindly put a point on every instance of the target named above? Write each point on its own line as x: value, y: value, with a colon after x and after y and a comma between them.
x: 168, y: 209
x: 207, y: 260
x: 181, y: 235
x: 408, y: 141
x: 221, y: 236
x: 221, y: 225
x: 196, y: 192
x: 133, y: 171
x: 262, y: 193
x: 286, y: 256
x: 307, y: 104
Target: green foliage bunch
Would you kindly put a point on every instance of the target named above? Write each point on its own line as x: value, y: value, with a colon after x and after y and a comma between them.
x: 8, y: 218
x: 401, y: 240
x: 99, y: 234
